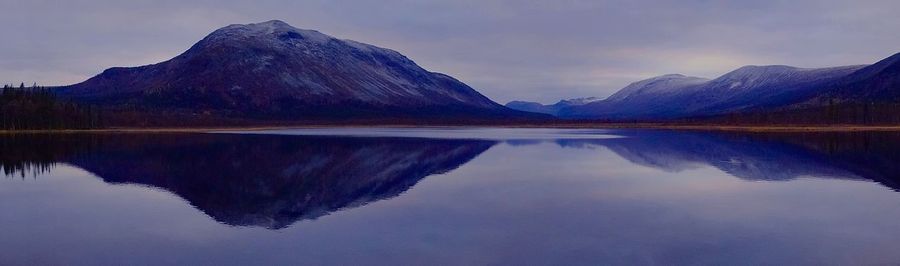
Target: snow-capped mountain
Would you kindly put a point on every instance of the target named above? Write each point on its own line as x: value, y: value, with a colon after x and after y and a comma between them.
x: 579, y: 101
x: 660, y: 86
x: 763, y: 86
x: 748, y: 88
x: 272, y: 69
x: 653, y: 96
x: 552, y: 109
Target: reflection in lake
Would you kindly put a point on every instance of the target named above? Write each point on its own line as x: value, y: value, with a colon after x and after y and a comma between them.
x: 258, y: 180
x: 763, y: 156
x: 493, y: 196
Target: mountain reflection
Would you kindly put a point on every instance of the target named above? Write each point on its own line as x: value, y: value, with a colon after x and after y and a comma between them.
x: 251, y: 180
x: 273, y: 181
x: 762, y: 156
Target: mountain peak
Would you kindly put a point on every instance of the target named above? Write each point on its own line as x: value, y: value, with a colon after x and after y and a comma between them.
x: 271, y: 24
x: 664, y: 84
x: 275, y: 23
x: 266, y: 31
x: 765, y: 67
x: 670, y: 76
x: 770, y: 70
x: 754, y: 70
x: 760, y: 76
x: 578, y: 101
x: 552, y: 109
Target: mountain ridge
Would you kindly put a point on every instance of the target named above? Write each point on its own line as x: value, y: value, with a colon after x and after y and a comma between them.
x: 551, y: 109
x: 753, y: 89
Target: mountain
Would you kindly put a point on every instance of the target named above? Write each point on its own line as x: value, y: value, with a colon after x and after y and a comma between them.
x: 764, y: 86
x: 867, y: 95
x: 878, y: 83
x: 273, y: 70
x: 661, y: 86
x: 649, y: 97
x: 870, y: 95
x: 552, y: 109
x: 747, y: 89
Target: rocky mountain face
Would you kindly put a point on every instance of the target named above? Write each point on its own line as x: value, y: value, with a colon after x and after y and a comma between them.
x: 273, y: 70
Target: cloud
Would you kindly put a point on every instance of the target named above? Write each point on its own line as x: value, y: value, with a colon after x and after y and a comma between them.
x: 531, y: 50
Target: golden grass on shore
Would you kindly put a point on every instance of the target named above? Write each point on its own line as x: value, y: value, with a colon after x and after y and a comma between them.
x: 712, y: 127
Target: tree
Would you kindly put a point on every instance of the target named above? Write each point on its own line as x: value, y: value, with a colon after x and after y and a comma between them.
x: 38, y: 108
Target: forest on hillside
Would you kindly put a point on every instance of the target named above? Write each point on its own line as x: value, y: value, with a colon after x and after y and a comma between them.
x: 871, y: 113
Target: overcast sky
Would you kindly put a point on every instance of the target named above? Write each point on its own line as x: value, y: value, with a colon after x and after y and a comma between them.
x: 530, y: 50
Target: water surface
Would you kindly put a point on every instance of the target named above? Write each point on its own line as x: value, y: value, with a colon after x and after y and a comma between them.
x: 387, y: 196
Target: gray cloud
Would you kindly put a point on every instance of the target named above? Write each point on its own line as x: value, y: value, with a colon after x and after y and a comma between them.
x: 531, y: 50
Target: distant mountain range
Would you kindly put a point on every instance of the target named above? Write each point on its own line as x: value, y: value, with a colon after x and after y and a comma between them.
x: 864, y: 93
x: 552, y: 109
x: 272, y: 70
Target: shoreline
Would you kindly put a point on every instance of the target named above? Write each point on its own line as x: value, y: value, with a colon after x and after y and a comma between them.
x: 733, y: 128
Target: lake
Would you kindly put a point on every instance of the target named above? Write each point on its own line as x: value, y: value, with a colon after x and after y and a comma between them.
x: 450, y: 196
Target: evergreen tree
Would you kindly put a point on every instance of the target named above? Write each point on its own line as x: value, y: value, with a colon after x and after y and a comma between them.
x: 38, y: 108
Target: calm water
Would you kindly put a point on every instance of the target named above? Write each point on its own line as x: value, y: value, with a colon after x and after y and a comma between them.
x: 451, y: 196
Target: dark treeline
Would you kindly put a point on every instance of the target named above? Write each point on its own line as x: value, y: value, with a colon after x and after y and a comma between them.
x: 832, y: 114
x: 26, y: 108
x: 869, y: 154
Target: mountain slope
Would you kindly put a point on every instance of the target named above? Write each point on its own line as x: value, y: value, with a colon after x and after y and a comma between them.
x: 656, y: 87
x: 273, y: 70
x: 764, y: 86
x: 748, y: 88
x: 878, y: 83
x: 870, y: 95
x: 649, y: 97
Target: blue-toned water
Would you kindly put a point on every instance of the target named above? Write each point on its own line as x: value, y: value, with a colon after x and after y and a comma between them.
x: 450, y: 196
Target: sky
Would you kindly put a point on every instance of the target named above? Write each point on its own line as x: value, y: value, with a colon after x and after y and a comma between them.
x: 508, y: 50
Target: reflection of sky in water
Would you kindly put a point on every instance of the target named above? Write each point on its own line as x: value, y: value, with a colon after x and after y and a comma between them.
x: 540, y: 202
